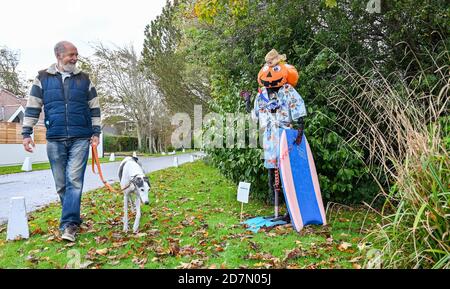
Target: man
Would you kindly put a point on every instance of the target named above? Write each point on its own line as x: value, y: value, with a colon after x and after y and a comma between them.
x: 72, y: 119
x: 277, y: 106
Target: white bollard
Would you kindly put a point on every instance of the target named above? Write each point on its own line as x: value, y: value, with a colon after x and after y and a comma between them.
x: 192, y: 158
x: 17, y: 221
x: 184, y: 150
x: 134, y: 155
x: 27, y: 165
x: 112, y: 157
x: 175, y: 161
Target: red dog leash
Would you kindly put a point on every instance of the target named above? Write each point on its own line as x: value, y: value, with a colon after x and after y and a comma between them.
x: 96, y: 161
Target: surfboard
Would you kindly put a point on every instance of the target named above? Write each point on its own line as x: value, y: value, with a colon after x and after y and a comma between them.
x: 300, y: 182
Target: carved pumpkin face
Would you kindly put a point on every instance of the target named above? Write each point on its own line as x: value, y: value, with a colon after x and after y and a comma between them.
x: 278, y: 75
x: 272, y: 76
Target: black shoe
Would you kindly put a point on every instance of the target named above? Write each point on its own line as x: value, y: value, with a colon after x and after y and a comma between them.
x: 70, y: 233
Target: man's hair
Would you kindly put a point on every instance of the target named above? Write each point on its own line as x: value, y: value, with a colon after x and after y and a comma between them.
x: 60, y: 47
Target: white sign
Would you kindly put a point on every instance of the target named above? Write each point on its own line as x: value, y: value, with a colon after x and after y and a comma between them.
x: 243, y: 192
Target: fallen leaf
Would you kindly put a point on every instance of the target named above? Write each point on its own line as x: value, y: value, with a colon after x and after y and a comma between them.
x: 37, y: 231
x: 254, y: 246
x: 102, y: 252
x: 140, y: 262
x: 140, y: 235
x: 362, y: 246
x: 187, y: 250
x: 194, y: 264
x: 356, y: 259
x: 344, y: 246
x: 294, y: 253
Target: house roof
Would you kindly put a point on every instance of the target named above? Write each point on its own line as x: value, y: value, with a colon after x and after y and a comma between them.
x: 10, y: 104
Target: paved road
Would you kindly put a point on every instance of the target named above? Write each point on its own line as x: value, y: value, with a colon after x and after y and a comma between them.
x: 38, y: 187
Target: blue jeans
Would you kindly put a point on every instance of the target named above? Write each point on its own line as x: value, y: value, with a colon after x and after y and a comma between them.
x: 68, y: 161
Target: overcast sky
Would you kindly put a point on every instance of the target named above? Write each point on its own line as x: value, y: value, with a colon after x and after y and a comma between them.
x: 34, y: 27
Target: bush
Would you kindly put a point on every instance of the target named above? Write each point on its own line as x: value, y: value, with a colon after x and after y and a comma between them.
x: 119, y: 143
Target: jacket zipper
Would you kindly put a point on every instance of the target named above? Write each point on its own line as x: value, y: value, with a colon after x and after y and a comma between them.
x: 65, y: 111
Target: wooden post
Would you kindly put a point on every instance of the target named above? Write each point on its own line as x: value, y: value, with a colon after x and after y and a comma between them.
x: 242, y: 209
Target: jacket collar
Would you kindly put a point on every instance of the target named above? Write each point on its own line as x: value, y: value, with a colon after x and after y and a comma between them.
x: 52, y: 70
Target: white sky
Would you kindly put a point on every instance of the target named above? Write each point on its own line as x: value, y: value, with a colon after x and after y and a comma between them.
x: 34, y: 27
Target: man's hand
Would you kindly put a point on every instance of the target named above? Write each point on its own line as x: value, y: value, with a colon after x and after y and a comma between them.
x: 95, y: 140
x: 26, y: 144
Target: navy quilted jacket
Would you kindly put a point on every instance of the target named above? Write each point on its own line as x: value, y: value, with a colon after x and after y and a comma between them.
x: 71, y: 107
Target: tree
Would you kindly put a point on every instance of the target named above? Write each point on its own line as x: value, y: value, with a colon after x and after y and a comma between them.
x: 127, y: 92
x: 181, y: 83
x: 9, y: 76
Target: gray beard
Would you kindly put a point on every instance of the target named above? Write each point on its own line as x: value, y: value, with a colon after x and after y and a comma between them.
x: 69, y: 67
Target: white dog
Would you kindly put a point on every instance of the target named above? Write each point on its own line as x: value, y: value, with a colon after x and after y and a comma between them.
x: 133, y: 183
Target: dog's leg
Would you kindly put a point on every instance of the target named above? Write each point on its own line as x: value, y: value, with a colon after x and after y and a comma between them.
x: 138, y: 214
x: 125, y: 212
x: 132, y: 204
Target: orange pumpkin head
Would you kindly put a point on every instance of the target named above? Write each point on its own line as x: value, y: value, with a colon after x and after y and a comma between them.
x: 278, y: 75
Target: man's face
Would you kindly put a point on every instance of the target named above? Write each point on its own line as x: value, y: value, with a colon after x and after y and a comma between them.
x: 70, y: 55
x: 68, y: 59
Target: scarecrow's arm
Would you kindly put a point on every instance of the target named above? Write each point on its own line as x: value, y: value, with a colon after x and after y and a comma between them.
x: 298, y: 112
x: 299, y: 125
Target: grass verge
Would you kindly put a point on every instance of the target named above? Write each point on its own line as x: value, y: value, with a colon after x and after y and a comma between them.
x: 192, y: 222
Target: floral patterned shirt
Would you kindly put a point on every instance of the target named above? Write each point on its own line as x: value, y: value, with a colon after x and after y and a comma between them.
x: 288, y: 106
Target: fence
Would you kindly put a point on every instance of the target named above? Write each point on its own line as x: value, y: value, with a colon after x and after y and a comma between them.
x: 10, y: 133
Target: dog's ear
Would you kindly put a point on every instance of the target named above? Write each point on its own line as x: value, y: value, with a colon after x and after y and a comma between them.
x: 135, y: 159
x: 147, y: 181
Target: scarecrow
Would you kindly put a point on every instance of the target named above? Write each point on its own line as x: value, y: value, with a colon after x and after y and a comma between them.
x: 277, y: 106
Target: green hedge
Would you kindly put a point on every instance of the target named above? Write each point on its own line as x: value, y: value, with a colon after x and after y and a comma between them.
x: 119, y: 143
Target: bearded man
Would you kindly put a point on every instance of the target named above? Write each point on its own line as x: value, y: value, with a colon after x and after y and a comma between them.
x: 72, y: 119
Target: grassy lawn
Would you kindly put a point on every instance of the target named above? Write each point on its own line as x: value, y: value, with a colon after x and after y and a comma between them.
x: 42, y: 166
x: 192, y: 222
